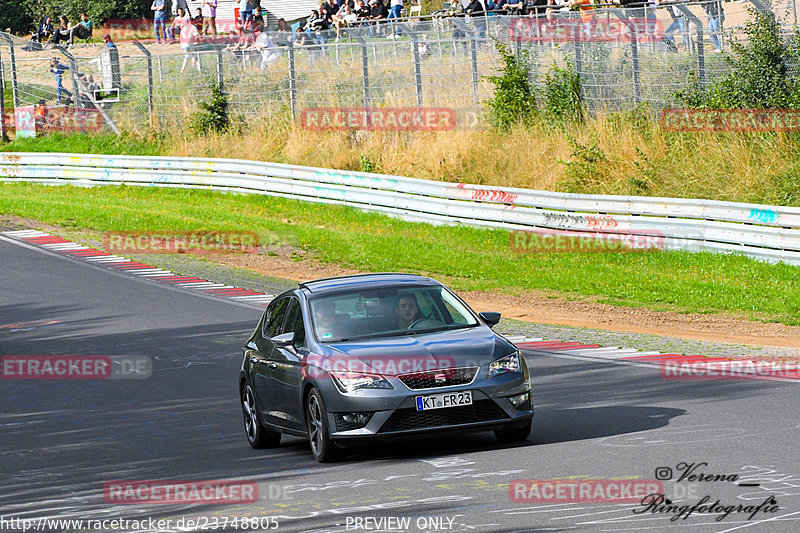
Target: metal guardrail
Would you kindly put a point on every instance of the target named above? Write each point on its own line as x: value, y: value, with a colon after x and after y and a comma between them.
x: 762, y: 231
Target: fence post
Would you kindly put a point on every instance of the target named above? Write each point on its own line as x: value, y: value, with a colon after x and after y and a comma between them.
x: 13, y: 64
x: 364, y: 67
x: 150, y: 103
x: 220, y: 77
x: 417, y: 68
x: 3, y: 133
x: 620, y: 14
x: 292, y: 82
x: 579, y: 63
x: 701, y: 57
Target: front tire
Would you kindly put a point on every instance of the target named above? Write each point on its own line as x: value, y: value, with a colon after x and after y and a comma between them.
x: 322, y: 447
x: 514, y: 434
x: 258, y: 436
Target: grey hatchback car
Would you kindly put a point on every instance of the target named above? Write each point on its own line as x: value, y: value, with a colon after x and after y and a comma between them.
x: 355, y: 359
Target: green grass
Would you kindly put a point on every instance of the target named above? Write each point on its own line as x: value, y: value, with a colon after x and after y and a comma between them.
x: 84, y: 143
x: 465, y: 258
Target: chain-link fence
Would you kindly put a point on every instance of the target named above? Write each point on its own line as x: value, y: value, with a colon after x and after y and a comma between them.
x: 623, y: 57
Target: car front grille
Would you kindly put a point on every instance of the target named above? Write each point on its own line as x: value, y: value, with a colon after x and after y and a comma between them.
x: 410, y: 418
x: 443, y: 377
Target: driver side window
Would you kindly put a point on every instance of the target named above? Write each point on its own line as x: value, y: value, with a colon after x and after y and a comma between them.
x: 294, y: 322
x: 273, y: 322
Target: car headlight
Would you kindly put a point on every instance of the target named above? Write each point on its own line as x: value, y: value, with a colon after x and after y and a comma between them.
x: 509, y: 363
x: 350, y: 381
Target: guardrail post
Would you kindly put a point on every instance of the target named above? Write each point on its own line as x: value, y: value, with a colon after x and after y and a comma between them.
x: 292, y: 82
x: 150, y: 103
x: 13, y: 64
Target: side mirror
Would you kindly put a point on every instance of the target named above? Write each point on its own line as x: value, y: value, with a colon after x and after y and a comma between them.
x: 490, y: 317
x: 283, y: 340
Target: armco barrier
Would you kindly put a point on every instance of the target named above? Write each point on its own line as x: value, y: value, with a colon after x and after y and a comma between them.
x: 762, y: 231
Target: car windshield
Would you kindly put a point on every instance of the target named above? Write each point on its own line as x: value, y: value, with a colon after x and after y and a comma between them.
x: 387, y: 312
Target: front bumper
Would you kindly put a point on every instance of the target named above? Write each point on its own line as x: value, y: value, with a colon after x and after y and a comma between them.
x: 394, y: 414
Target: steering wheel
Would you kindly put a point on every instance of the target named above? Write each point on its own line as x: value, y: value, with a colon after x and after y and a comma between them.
x: 417, y: 321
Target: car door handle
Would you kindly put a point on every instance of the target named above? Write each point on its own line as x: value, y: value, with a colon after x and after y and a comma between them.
x: 254, y: 360
x: 273, y: 365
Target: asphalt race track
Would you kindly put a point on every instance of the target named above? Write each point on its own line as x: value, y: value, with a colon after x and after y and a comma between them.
x: 62, y: 441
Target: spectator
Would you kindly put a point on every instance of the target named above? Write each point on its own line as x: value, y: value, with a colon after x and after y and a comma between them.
x: 361, y: 9
x: 246, y: 36
x: 476, y: 11
x: 395, y: 13
x: 45, y: 30
x: 716, y: 17
x: 516, y: 7
x: 40, y: 115
x: 281, y: 33
x: 197, y: 20
x: 82, y: 30
x: 245, y: 10
x: 314, y: 27
x: 209, y: 11
x: 587, y: 15
x: 378, y: 12
x: 180, y: 20
x: 268, y: 49
x: 189, y: 39
x: 343, y: 17
x: 496, y: 7
x: 58, y: 72
x: 62, y: 33
x: 108, y: 41
x: 159, y: 9
x: 678, y: 23
x: 86, y: 98
x: 328, y: 9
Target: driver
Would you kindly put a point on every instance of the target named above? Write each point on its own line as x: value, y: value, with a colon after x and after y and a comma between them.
x: 407, y: 311
x: 325, y: 315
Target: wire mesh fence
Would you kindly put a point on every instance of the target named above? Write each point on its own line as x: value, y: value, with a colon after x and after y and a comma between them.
x: 623, y: 57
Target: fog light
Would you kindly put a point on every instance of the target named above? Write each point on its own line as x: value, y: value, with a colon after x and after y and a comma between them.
x: 521, y: 401
x: 348, y: 421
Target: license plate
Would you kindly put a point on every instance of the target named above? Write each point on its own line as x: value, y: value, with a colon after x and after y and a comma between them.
x: 440, y: 401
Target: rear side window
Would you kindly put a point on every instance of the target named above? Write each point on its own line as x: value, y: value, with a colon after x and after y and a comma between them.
x: 274, y: 320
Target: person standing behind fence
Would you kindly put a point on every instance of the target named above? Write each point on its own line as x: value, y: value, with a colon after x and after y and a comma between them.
x: 395, y: 12
x: 159, y: 9
x: 715, y: 19
x: 245, y: 10
x: 58, y: 72
x: 210, y: 17
x: 678, y: 23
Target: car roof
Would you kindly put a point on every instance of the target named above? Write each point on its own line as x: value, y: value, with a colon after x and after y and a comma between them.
x: 365, y: 282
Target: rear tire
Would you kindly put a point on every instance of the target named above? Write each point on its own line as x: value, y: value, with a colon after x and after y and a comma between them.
x: 323, y: 448
x: 258, y: 436
x: 514, y: 434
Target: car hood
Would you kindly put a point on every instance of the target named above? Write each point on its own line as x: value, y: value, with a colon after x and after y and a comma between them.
x: 414, y: 353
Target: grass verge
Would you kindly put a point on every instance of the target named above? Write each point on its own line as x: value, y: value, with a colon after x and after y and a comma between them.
x: 465, y: 258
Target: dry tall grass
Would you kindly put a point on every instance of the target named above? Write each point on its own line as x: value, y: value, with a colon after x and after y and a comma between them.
x: 636, y: 157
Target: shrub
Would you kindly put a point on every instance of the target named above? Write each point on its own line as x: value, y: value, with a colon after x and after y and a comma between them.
x: 562, y: 93
x: 513, y: 101
x: 213, y: 115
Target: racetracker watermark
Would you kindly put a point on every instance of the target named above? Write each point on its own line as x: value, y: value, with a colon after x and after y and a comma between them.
x: 421, y: 366
x: 197, y: 242
x: 181, y: 492
x: 561, y: 241
x: 677, y: 370
x: 379, y: 118
x: 736, y: 120
x: 562, y: 30
x: 583, y: 490
x: 75, y: 367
